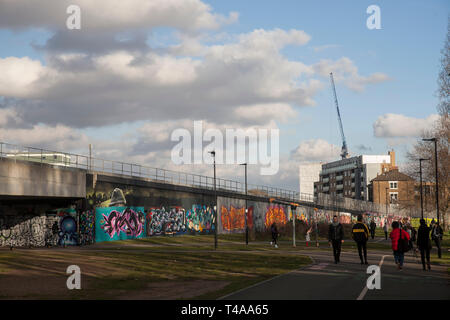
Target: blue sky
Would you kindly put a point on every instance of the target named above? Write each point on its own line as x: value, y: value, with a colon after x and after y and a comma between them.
x: 406, y: 51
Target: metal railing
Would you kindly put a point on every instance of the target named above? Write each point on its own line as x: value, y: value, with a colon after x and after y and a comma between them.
x: 93, y: 164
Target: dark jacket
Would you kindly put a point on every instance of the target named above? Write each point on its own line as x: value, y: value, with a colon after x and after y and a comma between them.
x: 373, y: 225
x: 274, y: 230
x: 336, y: 232
x: 423, y: 237
x: 436, y: 230
x: 360, y: 232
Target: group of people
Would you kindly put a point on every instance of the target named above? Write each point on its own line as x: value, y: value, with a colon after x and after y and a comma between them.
x: 402, y: 239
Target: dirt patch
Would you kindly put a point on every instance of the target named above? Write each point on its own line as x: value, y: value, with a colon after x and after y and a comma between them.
x: 171, y: 290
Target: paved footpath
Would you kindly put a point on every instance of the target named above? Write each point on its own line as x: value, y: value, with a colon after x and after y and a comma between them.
x: 346, y: 280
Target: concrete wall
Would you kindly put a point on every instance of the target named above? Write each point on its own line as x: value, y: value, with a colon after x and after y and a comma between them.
x: 22, y: 178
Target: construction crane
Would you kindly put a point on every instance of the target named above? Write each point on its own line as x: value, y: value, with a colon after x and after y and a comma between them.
x: 344, y: 150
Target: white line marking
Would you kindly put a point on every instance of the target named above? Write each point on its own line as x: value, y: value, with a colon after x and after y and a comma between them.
x: 364, y: 291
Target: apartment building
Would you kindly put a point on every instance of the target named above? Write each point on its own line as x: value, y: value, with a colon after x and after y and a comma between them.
x: 351, y: 177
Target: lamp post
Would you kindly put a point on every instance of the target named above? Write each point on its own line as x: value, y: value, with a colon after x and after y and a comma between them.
x: 421, y: 191
x: 246, y: 209
x: 213, y: 153
x: 387, y: 200
x: 436, y: 172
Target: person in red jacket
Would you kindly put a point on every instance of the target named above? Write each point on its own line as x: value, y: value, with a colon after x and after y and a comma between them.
x: 399, y: 255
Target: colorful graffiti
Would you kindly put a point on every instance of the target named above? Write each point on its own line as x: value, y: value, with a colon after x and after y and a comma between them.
x: 200, y: 219
x: 119, y: 223
x: 345, y: 218
x: 68, y: 234
x: 87, y: 228
x: 162, y: 222
x: 275, y: 214
x: 234, y: 218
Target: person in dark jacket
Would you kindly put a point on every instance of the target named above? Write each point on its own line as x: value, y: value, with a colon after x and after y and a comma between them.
x: 436, y: 235
x: 336, y: 238
x: 424, y: 243
x: 373, y: 227
x: 360, y: 234
x: 274, y: 231
x: 395, y: 235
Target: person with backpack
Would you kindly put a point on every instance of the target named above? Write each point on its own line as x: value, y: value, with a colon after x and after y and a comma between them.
x: 400, y: 243
x: 336, y: 238
x: 274, y: 231
x: 360, y: 233
x: 424, y: 243
x: 436, y: 235
x: 373, y: 227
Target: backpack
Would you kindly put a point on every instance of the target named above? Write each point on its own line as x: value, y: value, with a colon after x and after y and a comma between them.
x: 403, y: 244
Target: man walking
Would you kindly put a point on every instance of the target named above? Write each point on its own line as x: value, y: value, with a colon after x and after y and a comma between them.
x: 424, y: 243
x: 436, y: 235
x: 336, y: 238
x: 373, y: 227
x: 385, y: 229
x: 360, y: 234
x: 274, y: 231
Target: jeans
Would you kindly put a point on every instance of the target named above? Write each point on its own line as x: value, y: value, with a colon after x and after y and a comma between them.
x: 437, y: 241
x: 336, y: 249
x: 399, y: 257
x: 362, y: 246
x: 385, y: 234
x: 425, y: 252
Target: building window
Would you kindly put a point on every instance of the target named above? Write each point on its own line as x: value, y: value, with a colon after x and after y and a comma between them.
x: 393, y: 184
x: 393, y: 196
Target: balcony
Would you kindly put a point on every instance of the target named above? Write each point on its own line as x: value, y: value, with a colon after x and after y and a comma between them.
x: 339, y: 178
x: 325, y: 189
x: 325, y: 180
x: 339, y: 186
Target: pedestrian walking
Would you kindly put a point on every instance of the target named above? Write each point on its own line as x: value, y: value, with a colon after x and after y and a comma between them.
x: 360, y: 233
x: 424, y: 243
x: 373, y: 227
x: 308, y: 236
x: 274, y: 231
x: 336, y: 238
x: 436, y: 235
x: 400, y: 239
x: 386, y: 229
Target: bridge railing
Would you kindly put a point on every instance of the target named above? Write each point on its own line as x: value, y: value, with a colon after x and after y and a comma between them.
x: 93, y: 164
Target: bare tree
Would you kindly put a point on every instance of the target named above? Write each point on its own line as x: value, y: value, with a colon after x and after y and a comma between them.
x: 444, y: 77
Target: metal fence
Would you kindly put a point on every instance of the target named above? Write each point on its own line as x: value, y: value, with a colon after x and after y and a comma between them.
x: 92, y: 164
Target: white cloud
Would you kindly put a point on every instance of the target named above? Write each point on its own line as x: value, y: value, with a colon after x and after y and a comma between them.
x: 113, y: 15
x: 345, y: 71
x: 316, y: 150
x: 400, y: 126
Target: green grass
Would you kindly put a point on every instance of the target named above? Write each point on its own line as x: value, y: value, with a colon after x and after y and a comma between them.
x: 113, y: 272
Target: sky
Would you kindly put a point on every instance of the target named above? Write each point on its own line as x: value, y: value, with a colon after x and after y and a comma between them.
x: 139, y: 69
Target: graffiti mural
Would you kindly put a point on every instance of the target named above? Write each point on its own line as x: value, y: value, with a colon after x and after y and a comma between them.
x: 233, y: 219
x: 200, y: 219
x: 162, y: 222
x: 68, y: 234
x: 24, y: 230
x: 87, y: 219
x: 345, y: 218
x: 119, y: 223
x: 275, y: 214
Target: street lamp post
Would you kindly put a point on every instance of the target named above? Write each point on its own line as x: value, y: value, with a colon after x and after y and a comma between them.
x: 246, y: 208
x: 421, y: 189
x: 387, y: 201
x: 213, y: 153
x: 436, y: 172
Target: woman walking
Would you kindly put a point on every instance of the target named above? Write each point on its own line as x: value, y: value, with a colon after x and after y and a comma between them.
x: 400, y: 239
